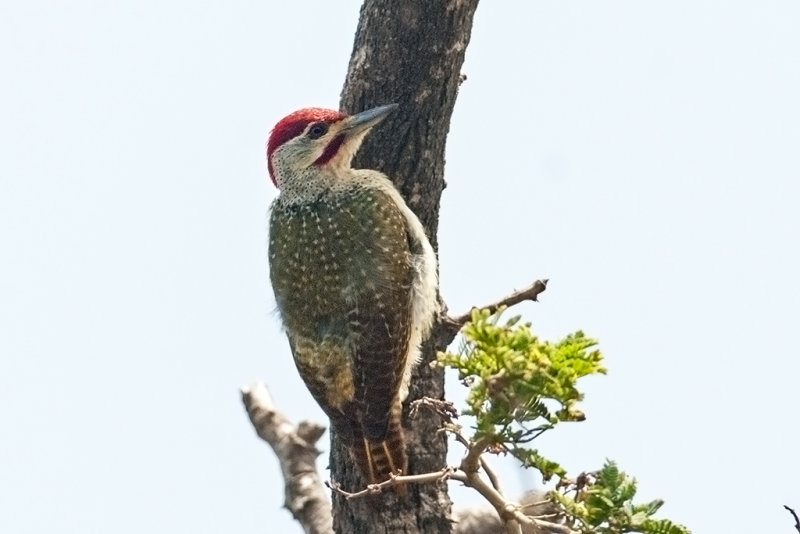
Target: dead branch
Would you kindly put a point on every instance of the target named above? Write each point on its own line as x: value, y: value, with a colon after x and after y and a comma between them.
x: 295, y: 448
x: 796, y: 519
x: 529, y: 293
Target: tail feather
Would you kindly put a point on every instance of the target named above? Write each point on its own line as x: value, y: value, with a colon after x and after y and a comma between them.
x: 377, y: 460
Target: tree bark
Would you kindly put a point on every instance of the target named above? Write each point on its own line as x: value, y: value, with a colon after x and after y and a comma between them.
x: 407, y: 52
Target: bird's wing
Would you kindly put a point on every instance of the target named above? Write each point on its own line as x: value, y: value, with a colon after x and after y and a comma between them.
x: 343, y: 274
x: 379, y: 318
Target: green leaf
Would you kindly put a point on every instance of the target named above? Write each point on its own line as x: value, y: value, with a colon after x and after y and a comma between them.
x: 515, y: 379
x: 520, y: 387
x: 604, y: 505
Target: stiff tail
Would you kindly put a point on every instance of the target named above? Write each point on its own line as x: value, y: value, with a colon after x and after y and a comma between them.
x: 378, y: 459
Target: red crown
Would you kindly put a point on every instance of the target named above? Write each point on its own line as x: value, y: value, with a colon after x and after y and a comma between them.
x: 293, y: 125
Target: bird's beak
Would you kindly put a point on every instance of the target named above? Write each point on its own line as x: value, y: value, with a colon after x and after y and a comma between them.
x: 359, y: 123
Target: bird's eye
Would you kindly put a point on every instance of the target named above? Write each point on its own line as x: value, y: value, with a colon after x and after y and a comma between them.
x: 317, y: 130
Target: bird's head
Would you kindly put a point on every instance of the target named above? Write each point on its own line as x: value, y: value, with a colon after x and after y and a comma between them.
x: 317, y: 137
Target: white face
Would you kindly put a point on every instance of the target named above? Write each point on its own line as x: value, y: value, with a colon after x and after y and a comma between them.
x: 324, y: 148
x: 305, y: 155
x: 296, y: 156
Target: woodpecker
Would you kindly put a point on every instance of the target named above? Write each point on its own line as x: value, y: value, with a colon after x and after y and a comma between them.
x: 355, y: 280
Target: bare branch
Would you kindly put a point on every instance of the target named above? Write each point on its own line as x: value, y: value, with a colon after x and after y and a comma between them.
x: 508, y: 510
x: 491, y: 474
x: 472, y: 460
x: 796, y: 519
x: 393, y: 480
x: 530, y: 293
x: 306, y: 497
x: 511, y: 513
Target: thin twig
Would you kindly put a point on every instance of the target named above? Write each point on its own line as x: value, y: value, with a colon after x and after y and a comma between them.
x: 393, y: 480
x: 535, y: 504
x: 507, y: 510
x: 305, y: 497
x: 455, y: 431
x: 529, y: 293
x: 446, y: 410
x: 796, y: 519
x: 491, y: 474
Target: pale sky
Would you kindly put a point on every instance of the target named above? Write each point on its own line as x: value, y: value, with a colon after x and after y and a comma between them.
x: 641, y: 155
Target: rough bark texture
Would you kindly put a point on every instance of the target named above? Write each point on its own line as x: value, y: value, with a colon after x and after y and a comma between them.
x: 295, y: 448
x: 409, y: 53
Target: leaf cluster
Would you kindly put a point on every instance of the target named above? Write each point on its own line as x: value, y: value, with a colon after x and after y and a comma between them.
x: 603, y: 504
x: 519, y: 385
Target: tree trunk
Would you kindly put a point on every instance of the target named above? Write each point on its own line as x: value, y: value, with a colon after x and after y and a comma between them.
x: 407, y: 52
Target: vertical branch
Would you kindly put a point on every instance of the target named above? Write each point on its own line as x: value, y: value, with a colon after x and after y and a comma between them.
x: 409, y: 53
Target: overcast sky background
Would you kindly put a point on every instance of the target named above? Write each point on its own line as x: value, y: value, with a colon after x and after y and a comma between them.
x: 642, y: 155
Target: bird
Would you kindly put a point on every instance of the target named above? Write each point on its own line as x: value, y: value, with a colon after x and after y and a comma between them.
x: 355, y: 280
